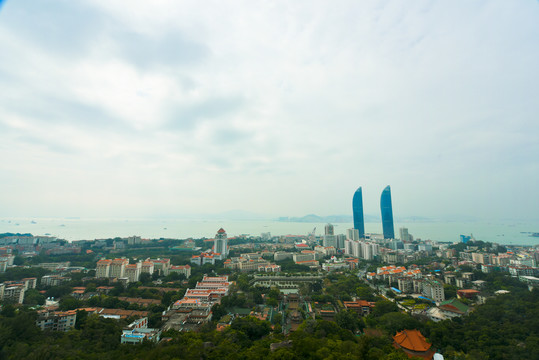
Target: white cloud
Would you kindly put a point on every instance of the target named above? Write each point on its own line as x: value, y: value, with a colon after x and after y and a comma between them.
x: 276, y: 107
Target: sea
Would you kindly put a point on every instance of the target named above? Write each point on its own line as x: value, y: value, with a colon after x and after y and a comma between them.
x: 504, y: 233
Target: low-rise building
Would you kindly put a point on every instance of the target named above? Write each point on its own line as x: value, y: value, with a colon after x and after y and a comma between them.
x: 413, y: 343
x: 282, y: 255
x: 14, y: 293
x: 269, y: 268
x: 246, y: 263
x: 467, y: 293
x: 203, y: 258
x: 362, y: 307
x: 138, y: 331
x: 57, y: 320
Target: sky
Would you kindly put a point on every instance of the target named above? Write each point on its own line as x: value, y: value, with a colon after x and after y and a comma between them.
x: 166, y: 108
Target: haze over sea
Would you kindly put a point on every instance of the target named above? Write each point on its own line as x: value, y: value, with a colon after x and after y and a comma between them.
x: 507, y: 232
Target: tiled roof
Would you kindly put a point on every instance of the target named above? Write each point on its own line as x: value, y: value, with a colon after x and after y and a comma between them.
x: 412, y: 340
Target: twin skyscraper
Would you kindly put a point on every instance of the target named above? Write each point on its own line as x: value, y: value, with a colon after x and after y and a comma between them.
x: 385, y: 207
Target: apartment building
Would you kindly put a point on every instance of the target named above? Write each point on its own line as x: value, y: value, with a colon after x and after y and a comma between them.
x: 57, y: 320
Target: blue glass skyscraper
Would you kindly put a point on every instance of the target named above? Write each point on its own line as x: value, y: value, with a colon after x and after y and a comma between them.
x: 387, y: 213
x: 357, y: 208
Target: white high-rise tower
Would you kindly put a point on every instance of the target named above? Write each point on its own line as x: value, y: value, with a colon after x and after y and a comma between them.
x: 220, y: 245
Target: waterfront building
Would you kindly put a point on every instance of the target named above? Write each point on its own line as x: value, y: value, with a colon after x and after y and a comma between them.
x: 357, y: 209
x: 387, y: 213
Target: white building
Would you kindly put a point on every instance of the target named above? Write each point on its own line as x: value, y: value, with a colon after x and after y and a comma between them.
x: 220, y: 245
x: 434, y: 290
x: 181, y: 269
x: 147, y: 267
x: 57, y: 321
x: 14, y: 293
x: 352, y: 234
x: 138, y: 331
x: 102, y: 269
x: 132, y: 271
x: 117, y: 268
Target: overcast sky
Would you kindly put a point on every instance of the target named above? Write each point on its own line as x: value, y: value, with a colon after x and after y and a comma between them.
x: 164, y: 107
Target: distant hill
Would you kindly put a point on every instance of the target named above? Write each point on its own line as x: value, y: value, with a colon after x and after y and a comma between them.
x: 312, y: 218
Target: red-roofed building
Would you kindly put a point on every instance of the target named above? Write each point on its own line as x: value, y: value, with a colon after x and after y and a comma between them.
x: 203, y: 258
x: 362, y: 307
x: 181, y: 269
x: 413, y: 343
x: 467, y: 293
x: 161, y: 266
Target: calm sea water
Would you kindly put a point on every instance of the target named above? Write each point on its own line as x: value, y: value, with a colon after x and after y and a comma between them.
x: 88, y: 229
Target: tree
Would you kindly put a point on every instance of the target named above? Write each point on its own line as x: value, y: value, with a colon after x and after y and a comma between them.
x: 382, y: 307
x: 252, y: 327
x: 145, y: 278
x: 70, y: 303
x: 58, y: 291
x: 33, y: 297
x: 348, y: 319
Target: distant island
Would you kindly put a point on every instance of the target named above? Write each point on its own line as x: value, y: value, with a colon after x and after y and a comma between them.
x: 312, y: 218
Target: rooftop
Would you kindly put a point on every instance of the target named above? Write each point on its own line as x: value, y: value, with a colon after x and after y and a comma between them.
x: 412, y: 340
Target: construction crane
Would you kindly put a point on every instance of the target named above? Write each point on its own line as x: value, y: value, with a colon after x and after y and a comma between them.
x: 312, y: 235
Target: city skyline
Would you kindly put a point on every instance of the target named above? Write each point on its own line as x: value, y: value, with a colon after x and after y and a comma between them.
x: 136, y: 109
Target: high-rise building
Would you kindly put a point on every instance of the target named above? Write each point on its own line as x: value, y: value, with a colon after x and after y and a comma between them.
x: 329, y: 230
x: 357, y: 208
x: 405, y: 236
x: 220, y: 246
x: 102, y: 269
x: 387, y: 213
x: 352, y: 234
x: 132, y: 271
x: 117, y: 268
